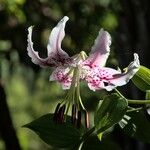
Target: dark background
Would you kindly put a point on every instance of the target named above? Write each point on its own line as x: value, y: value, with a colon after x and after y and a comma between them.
x: 25, y: 92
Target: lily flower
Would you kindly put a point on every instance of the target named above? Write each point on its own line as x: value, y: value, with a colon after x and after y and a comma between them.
x: 69, y: 71
x: 56, y: 56
x: 80, y: 67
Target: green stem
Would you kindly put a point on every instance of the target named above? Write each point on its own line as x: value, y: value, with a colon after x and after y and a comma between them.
x: 78, y: 90
x: 134, y: 101
x: 87, y: 134
x: 119, y: 93
x: 136, y: 109
x: 138, y: 101
x: 83, y: 138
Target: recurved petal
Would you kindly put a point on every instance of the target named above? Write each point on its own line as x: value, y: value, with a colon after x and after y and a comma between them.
x: 108, y: 78
x: 33, y: 54
x: 62, y: 75
x: 55, y: 39
x: 122, y: 79
x: 100, y: 50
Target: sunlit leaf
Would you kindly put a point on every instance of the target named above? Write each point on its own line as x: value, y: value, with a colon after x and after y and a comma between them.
x: 142, y: 79
x: 147, y: 97
x: 124, y: 121
x: 58, y: 135
x: 110, y: 112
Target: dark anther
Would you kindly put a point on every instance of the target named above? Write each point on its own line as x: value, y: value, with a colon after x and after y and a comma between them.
x: 79, y: 119
x: 56, y: 111
x: 105, y: 84
x: 86, y: 119
x: 74, y: 113
x: 60, y: 116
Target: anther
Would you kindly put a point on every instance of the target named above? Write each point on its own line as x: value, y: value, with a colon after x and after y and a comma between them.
x: 60, y: 117
x: 79, y: 119
x: 56, y: 111
x: 74, y: 114
x: 86, y: 119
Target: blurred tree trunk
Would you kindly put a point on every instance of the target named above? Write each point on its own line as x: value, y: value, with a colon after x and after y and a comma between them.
x: 7, y: 131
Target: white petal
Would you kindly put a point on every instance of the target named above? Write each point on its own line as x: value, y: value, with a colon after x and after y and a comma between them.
x: 55, y: 39
x: 33, y: 54
x: 122, y: 79
x: 100, y: 51
x: 56, y: 56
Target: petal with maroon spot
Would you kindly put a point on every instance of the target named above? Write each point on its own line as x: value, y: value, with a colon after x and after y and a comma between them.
x: 108, y: 78
x: 63, y: 76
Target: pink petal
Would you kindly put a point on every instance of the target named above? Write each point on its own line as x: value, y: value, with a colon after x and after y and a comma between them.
x: 61, y: 74
x: 33, y: 54
x: 56, y: 56
x: 122, y: 79
x: 55, y: 39
x: 108, y: 78
x: 100, y: 51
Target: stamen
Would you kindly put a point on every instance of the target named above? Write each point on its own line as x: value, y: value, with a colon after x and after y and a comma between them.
x: 86, y: 119
x: 60, y: 116
x: 74, y: 114
x: 79, y: 119
x: 56, y: 112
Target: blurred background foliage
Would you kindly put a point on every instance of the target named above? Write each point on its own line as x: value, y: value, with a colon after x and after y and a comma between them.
x: 29, y: 94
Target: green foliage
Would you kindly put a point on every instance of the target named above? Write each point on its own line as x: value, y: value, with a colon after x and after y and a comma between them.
x: 138, y: 126
x: 142, y: 79
x: 147, y: 97
x: 29, y: 94
x: 110, y: 112
x: 93, y: 143
x: 58, y: 135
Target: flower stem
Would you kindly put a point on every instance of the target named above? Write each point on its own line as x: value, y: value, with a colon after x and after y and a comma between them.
x: 88, y: 133
x: 134, y: 101
x: 138, y: 101
x: 83, y: 138
x: 119, y: 93
x: 78, y: 89
x: 135, y: 109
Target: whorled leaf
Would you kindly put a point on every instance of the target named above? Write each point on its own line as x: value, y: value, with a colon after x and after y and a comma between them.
x: 142, y: 79
x: 138, y: 126
x: 110, y: 112
x: 57, y: 135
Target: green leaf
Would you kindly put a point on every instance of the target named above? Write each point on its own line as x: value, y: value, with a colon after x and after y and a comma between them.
x: 93, y: 143
x: 58, y: 135
x: 138, y: 127
x: 110, y: 112
x: 147, y: 96
x: 142, y: 79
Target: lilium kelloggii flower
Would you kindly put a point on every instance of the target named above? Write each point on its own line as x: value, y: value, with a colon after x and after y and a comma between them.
x: 69, y: 71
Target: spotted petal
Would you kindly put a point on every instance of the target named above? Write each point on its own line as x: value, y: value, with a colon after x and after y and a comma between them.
x: 63, y: 76
x: 122, y: 79
x: 56, y: 56
x: 108, y: 78
x: 100, y: 51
